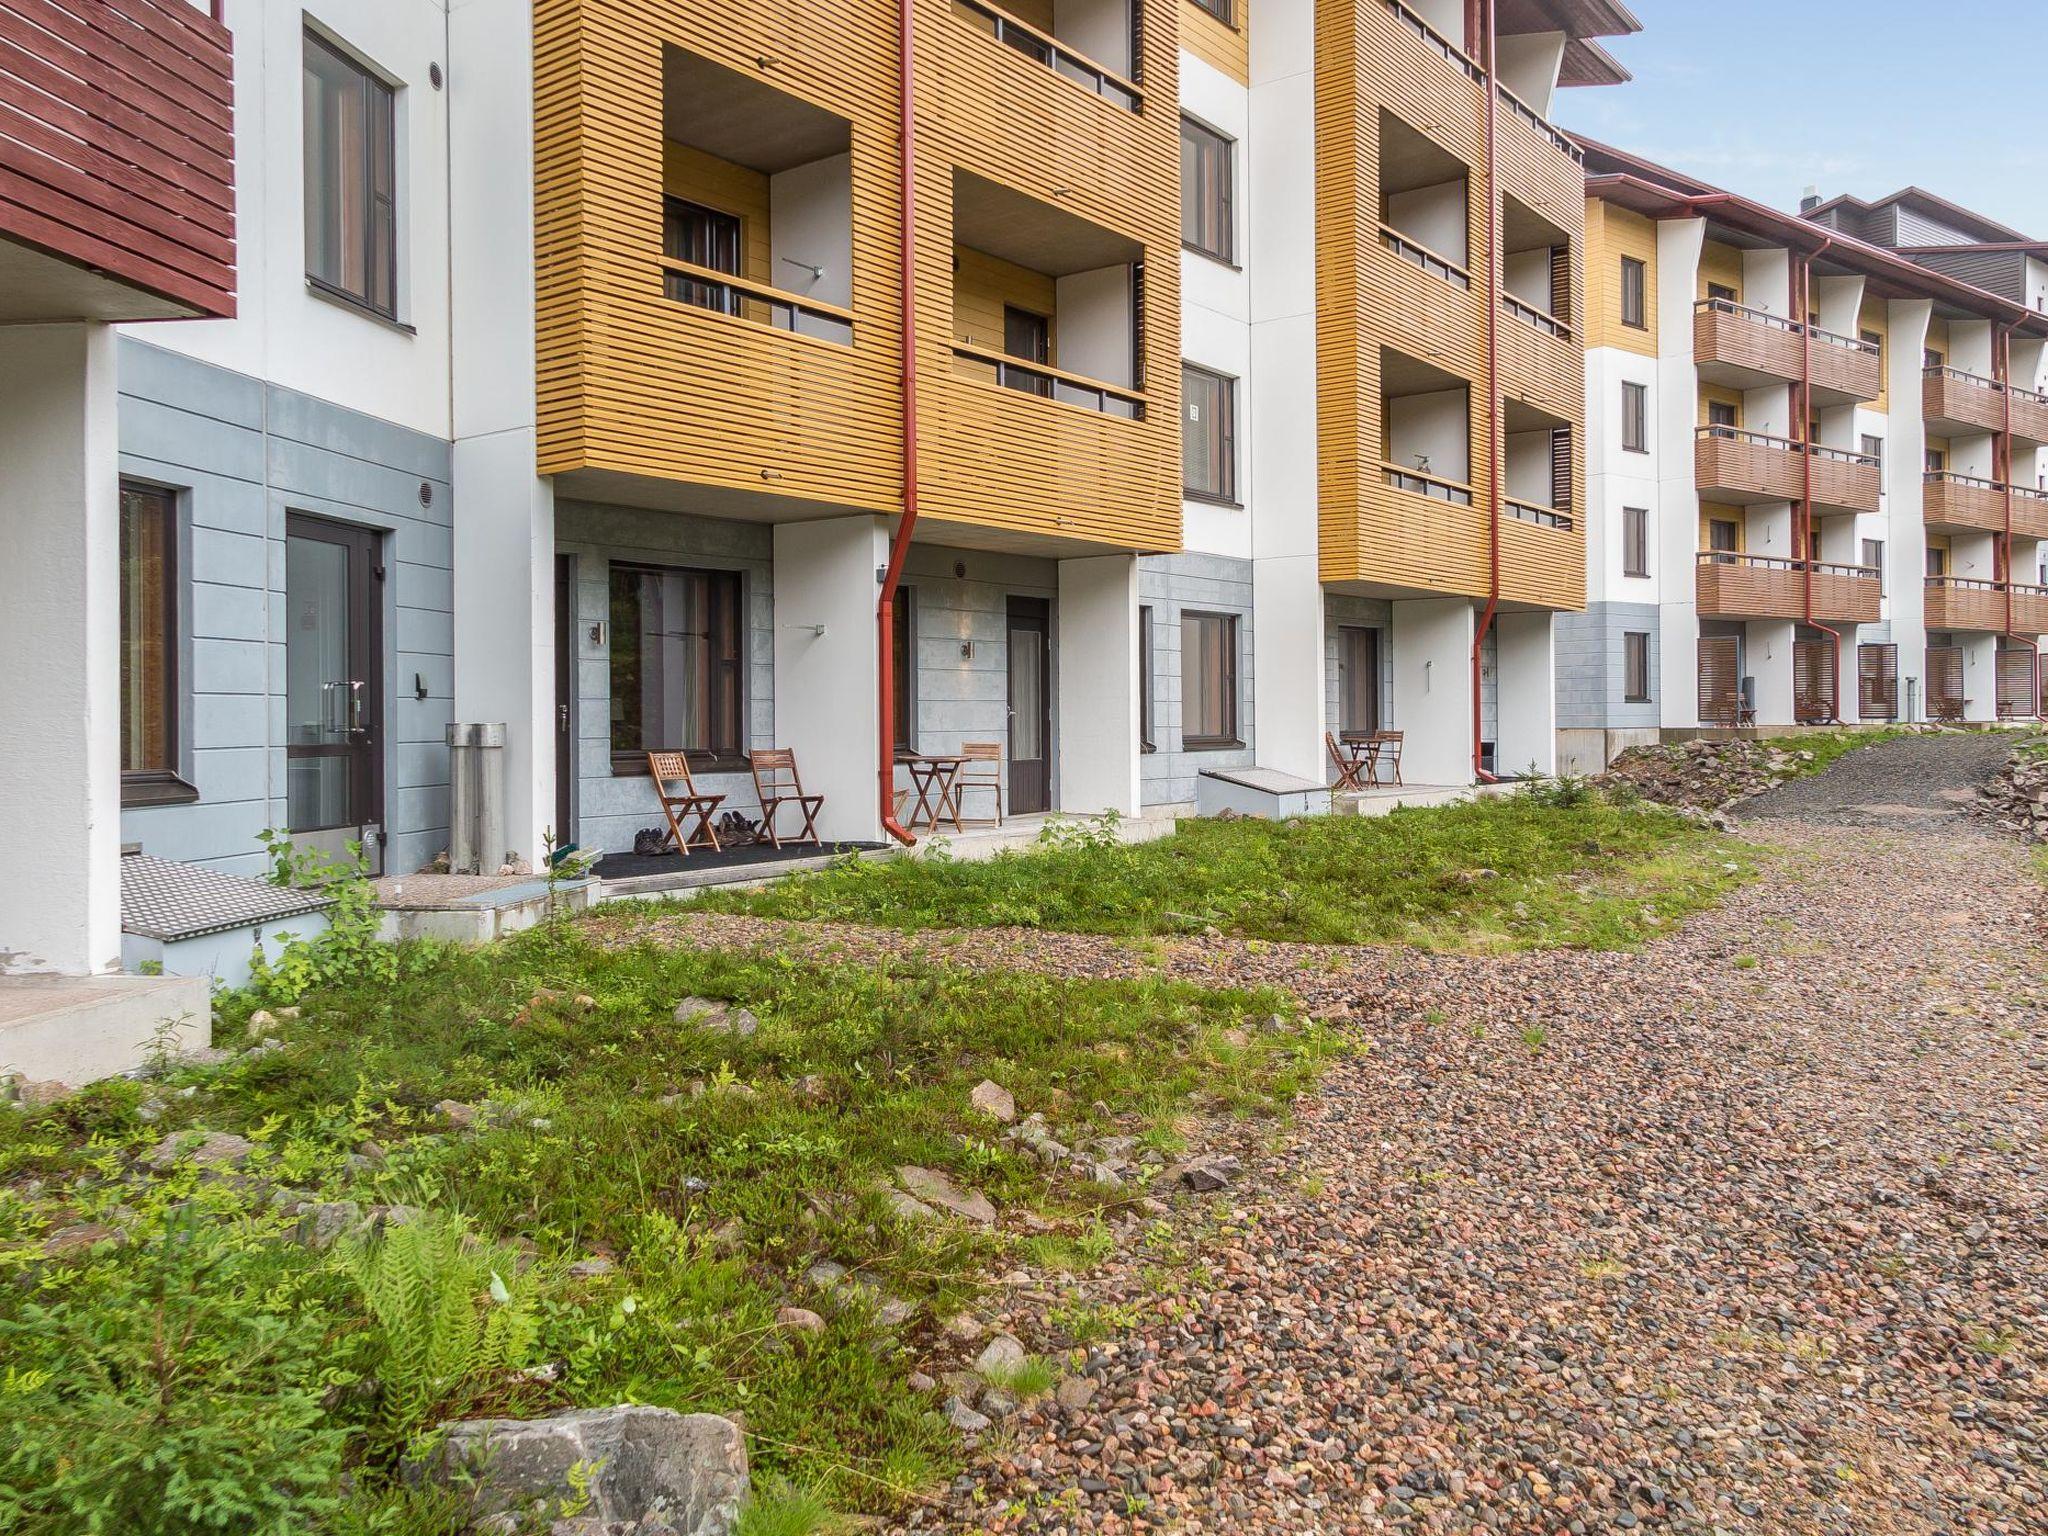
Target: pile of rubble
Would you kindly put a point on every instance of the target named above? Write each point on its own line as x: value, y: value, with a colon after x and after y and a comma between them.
x: 1705, y: 775
x: 2017, y: 800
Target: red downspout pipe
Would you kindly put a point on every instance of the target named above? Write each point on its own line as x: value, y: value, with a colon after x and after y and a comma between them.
x: 1803, y: 298
x: 899, y: 547
x: 2001, y: 366
x: 1493, y: 402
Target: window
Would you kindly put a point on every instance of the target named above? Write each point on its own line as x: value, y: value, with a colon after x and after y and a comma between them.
x: 1721, y: 293
x: 351, y: 180
x: 903, y: 670
x: 1205, y: 192
x: 703, y: 237
x: 677, y: 664
x: 1937, y: 560
x: 1875, y: 341
x: 149, y: 648
x: 1873, y: 448
x: 1937, y: 461
x: 1208, y: 435
x: 1635, y: 541
x: 1027, y: 335
x: 1635, y: 666
x: 1358, y: 678
x: 1224, y: 11
x: 1147, y: 740
x: 1635, y: 417
x: 1873, y: 556
x: 1634, y: 289
x: 1933, y: 359
x: 1724, y: 539
x: 1721, y: 414
x: 1208, y: 645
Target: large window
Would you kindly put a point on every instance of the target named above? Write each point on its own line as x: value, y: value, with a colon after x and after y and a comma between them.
x: 1148, y: 740
x: 351, y: 180
x: 678, y: 664
x: 704, y: 237
x: 1208, y: 665
x: 149, y: 647
x: 1205, y: 192
x: 1635, y: 417
x: 1635, y: 541
x: 1873, y: 556
x: 1208, y: 444
x: 1635, y: 666
x: 1634, y: 291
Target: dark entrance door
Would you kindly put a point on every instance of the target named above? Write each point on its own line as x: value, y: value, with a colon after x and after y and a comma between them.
x: 1358, y: 679
x: 334, y: 687
x: 565, y: 698
x: 1030, y: 653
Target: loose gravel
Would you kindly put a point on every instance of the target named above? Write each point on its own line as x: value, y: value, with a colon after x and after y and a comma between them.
x: 1741, y: 1233
x: 1913, y: 781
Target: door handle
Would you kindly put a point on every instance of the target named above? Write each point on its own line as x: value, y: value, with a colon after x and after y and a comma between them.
x: 355, y: 704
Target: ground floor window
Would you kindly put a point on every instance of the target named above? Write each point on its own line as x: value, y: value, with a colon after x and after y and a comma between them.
x: 1358, y: 679
x: 149, y: 645
x: 1208, y: 648
x: 677, y: 664
x: 1635, y: 659
x: 903, y: 664
x: 1147, y: 741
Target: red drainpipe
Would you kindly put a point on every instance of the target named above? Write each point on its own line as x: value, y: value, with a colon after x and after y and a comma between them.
x: 1493, y: 402
x: 2001, y: 366
x: 899, y: 548
x: 1804, y: 299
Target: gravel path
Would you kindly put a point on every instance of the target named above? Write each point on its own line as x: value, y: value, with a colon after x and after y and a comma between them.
x: 1913, y: 781
x: 1743, y: 1233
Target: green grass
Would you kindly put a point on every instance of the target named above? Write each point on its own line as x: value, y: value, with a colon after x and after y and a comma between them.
x: 1507, y: 872
x: 210, y: 1343
x: 1829, y: 747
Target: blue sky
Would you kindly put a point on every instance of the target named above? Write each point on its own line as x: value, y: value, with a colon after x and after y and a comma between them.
x: 1767, y: 97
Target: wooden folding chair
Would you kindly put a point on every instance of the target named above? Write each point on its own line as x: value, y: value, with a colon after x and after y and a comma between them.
x: 667, y: 768
x: 1384, y: 751
x: 1350, y: 767
x: 777, y: 783
x: 981, y: 767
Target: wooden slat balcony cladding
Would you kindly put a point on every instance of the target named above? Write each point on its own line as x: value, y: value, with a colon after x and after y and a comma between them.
x: 1963, y: 502
x: 1846, y: 366
x: 2030, y: 415
x: 1050, y: 53
x: 117, y: 143
x: 1374, y: 55
x: 1957, y: 402
x: 2029, y: 512
x: 1735, y: 466
x: 1955, y: 602
x: 1734, y: 336
x: 2030, y: 610
x: 1006, y: 458
x: 1763, y: 587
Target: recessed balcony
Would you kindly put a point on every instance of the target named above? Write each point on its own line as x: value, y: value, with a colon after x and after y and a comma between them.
x: 1087, y: 42
x: 1743, y: 468
x: 1738, y: 347
x: 1425, y: 203
x: 1734, y: 586
x: 1538, y: 468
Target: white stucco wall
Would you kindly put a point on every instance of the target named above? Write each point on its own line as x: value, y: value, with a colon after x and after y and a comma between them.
x: 1097, y: 734
x: 827, y: 666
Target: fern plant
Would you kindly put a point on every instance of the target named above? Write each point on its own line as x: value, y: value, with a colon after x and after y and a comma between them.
x: 453, y: 1313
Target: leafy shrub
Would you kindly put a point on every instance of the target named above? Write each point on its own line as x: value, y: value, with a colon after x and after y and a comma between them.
x: 348, y: 951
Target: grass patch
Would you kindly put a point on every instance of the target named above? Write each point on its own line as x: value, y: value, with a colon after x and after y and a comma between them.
x: 1506, y: 872
x: 202, y: 1369
x: 1826, y: 748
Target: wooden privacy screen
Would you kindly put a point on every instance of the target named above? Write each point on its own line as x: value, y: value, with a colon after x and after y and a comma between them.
x: 1877, y: 682
x: 1720, y: 680
x: 1944, y: 682
x: 1813, y: 681
x: 2015, y: 683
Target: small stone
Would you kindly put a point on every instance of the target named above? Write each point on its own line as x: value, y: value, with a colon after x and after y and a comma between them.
x: 917, y: 1381
x: 69, y: 1242
x: 799, y: 1320
x: 1204, y: 1175
x: 998, y: 1404
x: 935, y: 1189
x: 964, y: 1418
x: 592, y: 1268
x: 825, y: 1274
x: 1002, y: 1356
x: 462, y: 1116
x: 894, y: 1313
x: 964, y: 1327
x: 993, y: 1100
x: 1076, y: 1392
x: 261, y: 1022
x: 214, y: 1149
x: 322, y: 1224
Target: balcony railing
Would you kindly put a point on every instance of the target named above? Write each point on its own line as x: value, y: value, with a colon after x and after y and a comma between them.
x: 1965, y: 602
x: 743, y: 299
x: 1434, y: 39
x: 1962, y: 501
x: 1540, y: 515
x: 1050, y: 383
x: 1420, y: 483
x: 1422, y: 256
x: 1541, y: 319
x: 1541, y: 124
x: 1068, y: 63
x: 1735, y: 585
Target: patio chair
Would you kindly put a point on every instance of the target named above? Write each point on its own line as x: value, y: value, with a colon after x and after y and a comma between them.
x: 667, y: 768
x: 981, y: 767
x: 1383, y: 751
x: 1350, y: 767
x: 777, y: 783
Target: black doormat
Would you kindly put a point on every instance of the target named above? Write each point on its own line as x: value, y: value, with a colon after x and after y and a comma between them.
x: 629, y: 866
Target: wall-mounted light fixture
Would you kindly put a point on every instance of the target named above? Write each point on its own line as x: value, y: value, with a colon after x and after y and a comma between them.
x: 817, y: 272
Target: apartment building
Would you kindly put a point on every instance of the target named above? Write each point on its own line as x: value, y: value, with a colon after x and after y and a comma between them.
x: 1816, y: 492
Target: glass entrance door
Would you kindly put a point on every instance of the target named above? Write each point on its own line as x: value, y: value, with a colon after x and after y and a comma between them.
x: 1030, y: 663
x: 334, y: 706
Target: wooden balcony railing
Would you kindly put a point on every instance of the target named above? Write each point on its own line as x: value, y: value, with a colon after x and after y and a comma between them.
x: 1067, y: 62
x: 1962, y: 501
x: 1965, y: 602
x: 1542, y: 516
x: 1422, y: 256
x: 1543, y: 125
x: 1541, y: 319
x: 1050, y: 383
x: 1960, y: 402
x: 2030, y: 414
x: 1435, y: 40
x: 1745, y: 466
x: 743, y: 299
x: 1418, y: 483
x: 1737, y: 336
x: 1771, y: 587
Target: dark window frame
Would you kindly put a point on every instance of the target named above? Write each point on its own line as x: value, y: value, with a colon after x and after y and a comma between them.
x: 1635, y: 541
x: 1225, y: 436
x: 1872, y: 553
x: 1635, y: 293
x: 725, y: 750
x: 1635, y: 666
x: 1213, y: 198
x: 379, y: 206
x: 903, y: 653
x: 1635, y: 417
x: 1148, y: 733
x: 160, y: 783
x: 1231, y: 736
x: 1224, y: 11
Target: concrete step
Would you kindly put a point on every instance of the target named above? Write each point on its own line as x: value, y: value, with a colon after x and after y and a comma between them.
x: 78, y: 1029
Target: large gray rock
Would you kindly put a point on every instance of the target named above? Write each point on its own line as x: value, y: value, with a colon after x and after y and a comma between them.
x: 686, y: 1470
x: 933, y: 1188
